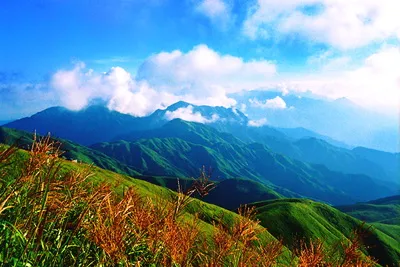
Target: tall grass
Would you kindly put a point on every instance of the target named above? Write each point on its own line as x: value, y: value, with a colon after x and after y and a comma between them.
x: 49, y: 217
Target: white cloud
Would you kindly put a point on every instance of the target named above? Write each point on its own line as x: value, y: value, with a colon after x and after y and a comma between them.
x: 257, y: 123
x: 200, y: 76
x: 212, y: 8
x: 274, y: 103
x: 340, y: 23
x: 76, y: 88
x: 218, y: 11
x: 187, y: 114
x: 203, y: 75
x: 375, y: 84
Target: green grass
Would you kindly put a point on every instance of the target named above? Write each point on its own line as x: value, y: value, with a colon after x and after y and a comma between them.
x: 291, y: 219
x: 385, y: 210
x: 72, y: 151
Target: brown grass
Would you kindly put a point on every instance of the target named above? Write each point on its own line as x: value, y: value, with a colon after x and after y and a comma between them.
x: 63, y: 219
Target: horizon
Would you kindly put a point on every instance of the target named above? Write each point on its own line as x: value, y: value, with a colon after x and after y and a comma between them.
x: 139, y: 56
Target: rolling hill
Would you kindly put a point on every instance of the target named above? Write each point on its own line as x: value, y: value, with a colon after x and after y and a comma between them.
x: 287, y: 219
x: 71, y: 151
x: 384, y: 210
x: 290, y: 219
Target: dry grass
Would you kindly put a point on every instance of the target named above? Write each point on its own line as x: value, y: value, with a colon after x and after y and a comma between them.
x: 51, y: 218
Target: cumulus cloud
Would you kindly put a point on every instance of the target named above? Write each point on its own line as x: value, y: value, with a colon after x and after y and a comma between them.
x: 200, y: 76
x: 204, y: 74
x: 76, y: 88
x: 273, y: 103
x: 342, y: 24
x: 257, y: 123
x: 187, y: 114
x: 205, y: 77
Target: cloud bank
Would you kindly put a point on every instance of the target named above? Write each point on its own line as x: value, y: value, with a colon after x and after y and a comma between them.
x: 375, y: 84
x: 200, y: 76
x: 339, y: 23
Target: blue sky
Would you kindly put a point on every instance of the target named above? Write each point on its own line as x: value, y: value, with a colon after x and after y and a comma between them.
x: 128, y: 52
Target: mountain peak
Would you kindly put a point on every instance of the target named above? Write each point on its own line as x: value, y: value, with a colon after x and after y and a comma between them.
x: 177, y: 105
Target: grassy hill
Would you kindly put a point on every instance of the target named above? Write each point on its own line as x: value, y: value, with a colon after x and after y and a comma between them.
x: 72, y: 151
x: 384, y: 210
x: 290, y: 219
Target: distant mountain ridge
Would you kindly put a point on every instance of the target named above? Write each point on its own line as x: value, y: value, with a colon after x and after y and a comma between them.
x: 340, y: 119
x: 97, y: 124
x: 182, y: 155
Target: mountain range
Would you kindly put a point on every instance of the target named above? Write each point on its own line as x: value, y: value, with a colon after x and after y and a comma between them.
x: 340, y: 119
x: 302, y: 184
x: 296, y: 159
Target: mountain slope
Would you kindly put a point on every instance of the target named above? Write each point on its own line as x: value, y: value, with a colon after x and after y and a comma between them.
x: 291, y: 218
x: 177, y: 157
x: 88, y: 126
x: 339, y: 119
x: 72, y: 151
x: 390, y: 162
x: 287, y: 218
x: 381, y: 166
x: 191, y: 132
x: 385, y: 210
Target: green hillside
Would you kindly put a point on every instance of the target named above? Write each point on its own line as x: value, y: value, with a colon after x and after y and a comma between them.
x: 72, y: 151
x: 290, y: 219
x: 183, y: 157
x: 317, y: 149
x: 385, y: 210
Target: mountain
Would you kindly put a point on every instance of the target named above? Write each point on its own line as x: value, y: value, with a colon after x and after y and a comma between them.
x: 292, y: 218
x: 390, y: 162
x: 384, y: 210
x: 384, y: 167
x: 229, y: 193
x: 232, y: 193
x: 302, y: 133
x: 88, y: 126
x: 3, y: 122
x: 177, y: 128
x: 97, y: 123
x: 71, y: 151
x: 215, y: 115
x: 340, y: 159
x: 183, y: 157
x: 339, y: 119
x: 288, y: 219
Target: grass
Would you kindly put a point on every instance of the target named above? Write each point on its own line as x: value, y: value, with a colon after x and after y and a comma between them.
x: 385, y: 210
x: 55, y: 212
x: 305, y: 220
